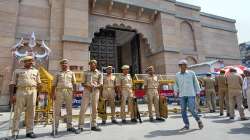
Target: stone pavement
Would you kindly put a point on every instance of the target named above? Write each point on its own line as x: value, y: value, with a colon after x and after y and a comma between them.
x: 216, y: 128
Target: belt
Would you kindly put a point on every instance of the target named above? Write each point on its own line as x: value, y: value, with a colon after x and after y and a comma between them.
x: 64, y: 88
x: 108, y: 87
x: 27, y: 88
x: 128, y: 87
x: 234, y: 88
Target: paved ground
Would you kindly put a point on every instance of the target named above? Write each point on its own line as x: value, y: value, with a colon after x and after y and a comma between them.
x: 216, y: 128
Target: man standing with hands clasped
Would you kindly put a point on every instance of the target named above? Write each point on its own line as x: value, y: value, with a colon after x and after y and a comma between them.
x: 63, y: 87
x: 92, y: 82
x: 151, y: 87
x: 27, y: 81
x: 187, y: 86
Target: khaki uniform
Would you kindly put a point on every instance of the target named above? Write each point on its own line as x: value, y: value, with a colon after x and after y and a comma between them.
x: 220, y: 82
x: 26, y: 81
x: 210, y: 93
x: 91, y: 77
x: 125, y: 82
x: 234, y: 82
x: 197, y: 103
x: 152, y: 84
x: 63, y: 83
x: 198, y: 99
x: 108, y: 93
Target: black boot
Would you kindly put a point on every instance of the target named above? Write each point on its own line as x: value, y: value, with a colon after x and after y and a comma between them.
x: 13, y: 137
x: 124, y: 121
x: 31, y: 135
x: 79, y: 130
x: 160, y: 119
x: 114, y: 121
x: 151, y: 119
x: 103, y: 122
x: 95, y: 128
x: 54, y: 132
x: 200, y: 124
x: 72, y: 129
x: 133, y: 120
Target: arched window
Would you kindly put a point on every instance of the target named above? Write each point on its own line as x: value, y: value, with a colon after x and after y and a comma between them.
x: 191, y: 60
x: 187, y: 37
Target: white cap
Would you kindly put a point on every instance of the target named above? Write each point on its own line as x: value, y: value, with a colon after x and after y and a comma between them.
x: 25, y: 58
x: 183, y: 61
x: 125, y: 67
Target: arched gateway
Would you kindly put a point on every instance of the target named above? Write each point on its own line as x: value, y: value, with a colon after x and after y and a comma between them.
x: 116, y: 46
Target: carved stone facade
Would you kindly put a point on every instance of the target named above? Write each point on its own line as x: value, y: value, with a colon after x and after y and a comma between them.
x: 167, y: 31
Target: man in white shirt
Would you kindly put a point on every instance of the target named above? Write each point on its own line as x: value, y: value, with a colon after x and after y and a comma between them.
x: 187, y: 86
x: 246, y: 88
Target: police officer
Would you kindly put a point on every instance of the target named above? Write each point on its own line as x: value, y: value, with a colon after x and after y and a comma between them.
x: 27, y: 81
x: 209, y: 84
x: 220, y: 82
x: 64, y: 84
x: 198, y: 97
x: 151, y: 86
x: 92, y: 82
x: 234, y: 82
x: 124, y: 83
x: 108, y: 92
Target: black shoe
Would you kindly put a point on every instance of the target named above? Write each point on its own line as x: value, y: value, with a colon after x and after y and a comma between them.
x: 72, y: 129
x: 95, y: 129
x: 213, y: 111
x: 184, y: 128
x: 124, y: 121
x: 231, y: 118
x: 103, y: 122
x: 151, y: 119
x: 13, y: 137
x: 133, y: 120
x: 228, y: 114
x: 114, y: 121
x: 160, y: 119
x: 200, y: 124
x: 54, y: 132
x: 221, y: 114
x: 243, y: 119
x: 79, y: 130
x: 31, y: 135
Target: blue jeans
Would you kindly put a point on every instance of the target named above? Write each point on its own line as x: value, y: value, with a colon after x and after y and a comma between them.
x: 188, y: 101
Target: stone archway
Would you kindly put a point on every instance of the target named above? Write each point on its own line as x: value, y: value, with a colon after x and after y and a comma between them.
x: 117, y: 45
x: 187, y: 37
x: 191, y: 60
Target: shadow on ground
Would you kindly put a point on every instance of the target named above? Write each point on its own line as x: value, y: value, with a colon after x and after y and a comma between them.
x: 158, y: 133
x: 40, y: 135
x: 226, y: 121
x: 245, y: 129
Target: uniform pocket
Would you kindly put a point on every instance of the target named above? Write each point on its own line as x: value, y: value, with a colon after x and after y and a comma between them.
x: 21, y: 76
x: 33, y: 76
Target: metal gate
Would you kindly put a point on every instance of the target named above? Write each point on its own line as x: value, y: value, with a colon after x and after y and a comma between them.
x: 103, y: 48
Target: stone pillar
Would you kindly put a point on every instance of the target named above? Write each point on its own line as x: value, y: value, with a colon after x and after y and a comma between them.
x: 9, y: 12
x: 76, y: 32
x: 56, y: 34
x: 170, y: 42
x: 198, y: 41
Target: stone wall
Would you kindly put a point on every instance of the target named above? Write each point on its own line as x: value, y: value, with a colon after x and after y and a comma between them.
x: 169, y: 31
x: 8, y: 24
